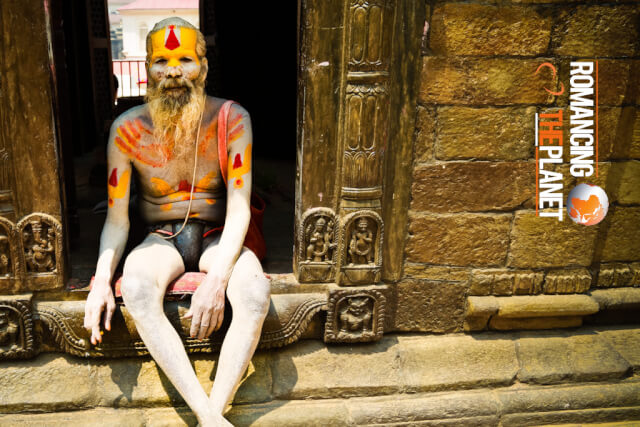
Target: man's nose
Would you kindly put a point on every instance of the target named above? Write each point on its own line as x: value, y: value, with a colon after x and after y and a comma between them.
x: 174, y: 71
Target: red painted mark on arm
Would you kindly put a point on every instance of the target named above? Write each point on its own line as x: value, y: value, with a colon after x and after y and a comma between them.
x: 237, y: 161
x: 113, y: 179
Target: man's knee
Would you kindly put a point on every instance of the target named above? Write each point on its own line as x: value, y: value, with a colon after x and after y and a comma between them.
x: 251, y: 295
x: 139, y: 294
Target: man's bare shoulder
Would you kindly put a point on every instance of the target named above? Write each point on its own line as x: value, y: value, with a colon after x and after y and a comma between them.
x: 139, y: 112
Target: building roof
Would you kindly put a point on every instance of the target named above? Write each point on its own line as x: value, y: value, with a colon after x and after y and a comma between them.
x: 161, y: 4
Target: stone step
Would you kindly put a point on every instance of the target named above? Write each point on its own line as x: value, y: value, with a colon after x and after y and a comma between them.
x: 518, y: 405
x: 398, y: 365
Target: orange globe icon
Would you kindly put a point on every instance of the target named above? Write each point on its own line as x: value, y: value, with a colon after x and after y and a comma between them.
x: 587, y: 204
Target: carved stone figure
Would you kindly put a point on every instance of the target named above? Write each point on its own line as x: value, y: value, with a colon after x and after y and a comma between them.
x: 361, y: 244
x: 5, y: 256
x: 356, y: 315
x: 196, y: 206
x: 320, y: 244
x: 9, y: 328
x: 40, y: 248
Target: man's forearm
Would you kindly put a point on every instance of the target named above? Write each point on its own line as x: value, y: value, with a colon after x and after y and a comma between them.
x: 112, y: 243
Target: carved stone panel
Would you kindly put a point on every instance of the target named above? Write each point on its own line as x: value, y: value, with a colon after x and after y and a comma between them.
x: 41, y: 239
x: 355, y: 316
x: 16, y: 329
x: 317, y: 246
x: 360, y: 248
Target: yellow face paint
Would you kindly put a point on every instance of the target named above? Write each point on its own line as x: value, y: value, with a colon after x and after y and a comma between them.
x: 173, y: 43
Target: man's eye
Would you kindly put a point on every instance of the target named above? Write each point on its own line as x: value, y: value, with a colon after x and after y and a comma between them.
x: 161, y: 61
x: 186, y: 59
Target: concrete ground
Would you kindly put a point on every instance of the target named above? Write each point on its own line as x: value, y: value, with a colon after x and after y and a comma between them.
x: 587, y: 375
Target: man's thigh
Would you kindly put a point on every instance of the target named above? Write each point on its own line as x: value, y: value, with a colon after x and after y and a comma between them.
x: 155, y: 259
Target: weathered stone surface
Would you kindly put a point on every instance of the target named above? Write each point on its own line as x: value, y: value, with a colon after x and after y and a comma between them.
x: 479, y: 310
x: 622, y: 241
x: 626, y: 342
x: 597, y: 31
x: 430, y: 306
x: 474, y: 81
x: 472, y: 186
x: 617, y: 81
x: 485, y: 133
x: 617, y: 299
x: 547, y: 306
x: 618, y: 133
x: 425, y: 134
x: 628, y: 180
x: 457, y: 362
x: 615, y: 275
x: 293, y: 413
x: 473, y: 29
x: 568, y: 281
x: 505, y: 282
x: 546, y: 242
x: 531, y: 323
x: 365, y: 369
x: 435, y: 272
x: 462, y: 239
x: 557, y: 357
x: 95, y: 417
x: 579, y: 418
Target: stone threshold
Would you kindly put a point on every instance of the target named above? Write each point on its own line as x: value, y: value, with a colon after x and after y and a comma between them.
x: 520, y: 405
x: 311, y: 379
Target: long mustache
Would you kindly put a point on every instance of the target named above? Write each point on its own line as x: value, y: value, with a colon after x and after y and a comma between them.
x: 175, y: 82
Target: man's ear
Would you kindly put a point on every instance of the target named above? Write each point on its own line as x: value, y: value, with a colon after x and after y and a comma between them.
x: 204, y: 69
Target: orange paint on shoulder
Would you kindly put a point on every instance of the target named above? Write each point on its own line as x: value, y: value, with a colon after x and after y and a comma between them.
x: 236, y: 133
x: 242, y: 168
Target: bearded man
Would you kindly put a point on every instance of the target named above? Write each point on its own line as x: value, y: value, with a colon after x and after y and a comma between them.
x: 158, y: 144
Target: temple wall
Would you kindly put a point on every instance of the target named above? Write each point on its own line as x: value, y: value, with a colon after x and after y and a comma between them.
x: 472, y: 228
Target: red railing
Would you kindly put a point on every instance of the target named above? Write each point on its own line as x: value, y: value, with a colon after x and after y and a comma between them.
x: 132, y: 77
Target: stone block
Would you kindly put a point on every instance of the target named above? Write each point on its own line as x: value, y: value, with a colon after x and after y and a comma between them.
x: 626, y: 342
x: 479, y: 310
x: 436, y: 272
x: 627, y: 178
x: 475, y: 29
x: 480, y: 81
x: 569, y: 281
x: 615, y: 275
x: 455, y: 362
x: 485, y: 133
x: 461, y: 239
x: 530, y: 323
x: 547, y: 306
x: 554, y: 358
x: 618, y: 133
x: 505, y: 282
x: 617, y: 81
x: 365, y: 370
x: 425, y: 134
x: 538, y: 242
x: 430, y: 306
x: 100, y: 417
x: 617, y: 299
x: 472, y: 186
x: 293, y: 413
x: 597, y: 31
x: 622, y: 241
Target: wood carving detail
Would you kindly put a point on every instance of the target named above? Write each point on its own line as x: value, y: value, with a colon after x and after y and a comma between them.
x: 42, y: 243
x: 355, y: 316
x: 361, y: 244
x: 9, y: 259
x: 366, y: 120
x: 16, y: 330
x: 370, y: 24
x: 317, y: 246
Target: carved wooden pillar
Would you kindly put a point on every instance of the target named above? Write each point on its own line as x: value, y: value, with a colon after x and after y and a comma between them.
x: 31, y: 196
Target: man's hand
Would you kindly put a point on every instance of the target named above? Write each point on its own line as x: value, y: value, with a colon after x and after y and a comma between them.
x: 207, y: 307
x: 100, y: 298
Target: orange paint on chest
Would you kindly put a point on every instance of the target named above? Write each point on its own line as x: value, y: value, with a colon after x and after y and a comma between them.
x: 128, y: 141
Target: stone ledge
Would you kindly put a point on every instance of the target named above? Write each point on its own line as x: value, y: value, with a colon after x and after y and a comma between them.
x: 516, y: 405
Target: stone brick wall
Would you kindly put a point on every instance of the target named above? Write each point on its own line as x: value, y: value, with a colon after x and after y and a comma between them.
x: 472, y: 226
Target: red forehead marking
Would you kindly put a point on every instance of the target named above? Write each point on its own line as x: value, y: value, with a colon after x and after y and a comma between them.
x: 172, y: 41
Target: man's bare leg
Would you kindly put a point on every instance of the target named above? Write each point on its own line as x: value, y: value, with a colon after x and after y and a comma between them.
x: 248, y: 292
x: 148, y: 270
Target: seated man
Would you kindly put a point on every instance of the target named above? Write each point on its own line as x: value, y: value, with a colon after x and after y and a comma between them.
x: 160, y: 143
